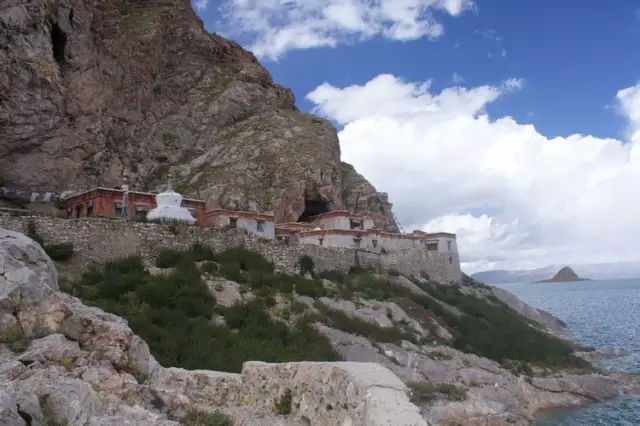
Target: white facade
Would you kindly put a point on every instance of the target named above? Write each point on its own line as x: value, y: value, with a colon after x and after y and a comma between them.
x: 260, y: 225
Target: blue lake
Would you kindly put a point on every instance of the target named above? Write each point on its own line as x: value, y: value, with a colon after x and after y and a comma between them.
x: 600, y: 314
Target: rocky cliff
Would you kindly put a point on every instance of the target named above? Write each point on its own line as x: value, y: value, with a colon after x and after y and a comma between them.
x: 88, y: 89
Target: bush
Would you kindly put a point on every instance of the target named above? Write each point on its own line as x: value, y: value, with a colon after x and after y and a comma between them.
x: 306, y: 265
x: 169, y: 258
x: 246, y: 259
x: 210, y: 267
x: 333, y: 276
x: 283, y: 404
x: 200, y: 418
x: 338, y: 319
x: 426, y: 391
x: 311, y: 288
x: 59, y: 252
x: 200, y: 252
x: 32, y: 232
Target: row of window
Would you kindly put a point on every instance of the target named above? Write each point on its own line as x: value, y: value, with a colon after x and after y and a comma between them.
x: 141, y: 210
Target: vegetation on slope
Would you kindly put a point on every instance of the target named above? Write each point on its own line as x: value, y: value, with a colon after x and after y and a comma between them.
x: 173, y: 315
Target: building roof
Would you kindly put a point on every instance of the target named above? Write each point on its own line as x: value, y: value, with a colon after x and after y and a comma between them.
x: 339, y: 213
x: 120, y: 191
x: 270, y: 217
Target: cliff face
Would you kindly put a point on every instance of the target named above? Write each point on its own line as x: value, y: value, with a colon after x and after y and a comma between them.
x: 88, y: 89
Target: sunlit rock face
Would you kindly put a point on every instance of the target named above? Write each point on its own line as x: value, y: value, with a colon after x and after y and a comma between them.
x: 170, y: 208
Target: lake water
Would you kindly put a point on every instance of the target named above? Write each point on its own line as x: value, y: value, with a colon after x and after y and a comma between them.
x: 600, y: 314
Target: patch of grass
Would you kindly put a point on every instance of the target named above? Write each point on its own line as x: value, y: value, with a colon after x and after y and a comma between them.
x: 59, y: 252
x: 338, y: 319
x: 426, y: 391
x: 201, y: 418
x: 297, y: 307
x: 15, y: 339
x: 169, y: 257
x: 283, y: 403
x: 333, y: 276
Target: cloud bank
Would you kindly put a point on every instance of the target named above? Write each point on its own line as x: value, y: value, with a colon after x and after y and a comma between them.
x: 516, y: 198
x: 278, y: 26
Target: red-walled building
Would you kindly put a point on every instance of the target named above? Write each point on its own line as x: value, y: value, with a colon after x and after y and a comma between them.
x: 109, y: 202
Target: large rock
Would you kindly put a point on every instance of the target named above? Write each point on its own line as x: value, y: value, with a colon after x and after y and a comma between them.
x: 27, y: 275
x: 90, y: 88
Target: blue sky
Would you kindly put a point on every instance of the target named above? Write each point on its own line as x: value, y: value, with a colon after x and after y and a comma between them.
x: 513, y: 123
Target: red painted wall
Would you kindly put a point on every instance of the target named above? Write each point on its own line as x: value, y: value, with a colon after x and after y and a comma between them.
x: 104, y: 202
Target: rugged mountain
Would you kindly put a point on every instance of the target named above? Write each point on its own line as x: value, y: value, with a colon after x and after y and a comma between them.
x: 88, y: 89
x: 596, y: 271
x: 564, y: 275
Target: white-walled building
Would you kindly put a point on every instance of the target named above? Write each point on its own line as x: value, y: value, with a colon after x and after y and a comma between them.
x: 261, y: 224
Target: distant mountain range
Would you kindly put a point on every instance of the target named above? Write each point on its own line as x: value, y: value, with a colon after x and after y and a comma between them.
x: 598, y: 271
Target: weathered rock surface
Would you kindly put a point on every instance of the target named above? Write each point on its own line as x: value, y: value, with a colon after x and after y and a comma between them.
x: 83, y: 366
x: 90, y: 88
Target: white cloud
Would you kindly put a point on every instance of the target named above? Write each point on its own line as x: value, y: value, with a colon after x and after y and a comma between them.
x: 516, y: 198
x: 457, y: 78
x: 513, y: 84
x: 629, y: 100
x: 278, y: 26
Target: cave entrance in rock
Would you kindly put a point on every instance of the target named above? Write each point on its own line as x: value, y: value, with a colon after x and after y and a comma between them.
x: 58, y: 42
x: 313, y: 208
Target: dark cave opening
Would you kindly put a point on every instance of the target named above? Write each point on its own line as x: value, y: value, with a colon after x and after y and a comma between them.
x: 58, y: 43
x: 313, y: 208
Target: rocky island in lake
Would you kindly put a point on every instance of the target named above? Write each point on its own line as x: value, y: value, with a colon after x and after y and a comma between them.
x: 564, y: 275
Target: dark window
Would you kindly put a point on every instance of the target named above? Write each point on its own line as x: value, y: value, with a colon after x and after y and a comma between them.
x: 375, y: 243
x: 356, y: 242
x: 432, y: 246
x: 449, y: 245
x: 118, y: 209
x: 450, y: 260
x: 233, y: 222
x: 260, y: 226
x: 193, y: 212
x: 58, y: 42
x: 356, y: 224
x: 90, y: 209
x: 79, y: 210
x: 320, y: 241
x: 141, y: 211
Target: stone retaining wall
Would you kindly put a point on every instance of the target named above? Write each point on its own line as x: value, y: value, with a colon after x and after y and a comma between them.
x: 97, y: 240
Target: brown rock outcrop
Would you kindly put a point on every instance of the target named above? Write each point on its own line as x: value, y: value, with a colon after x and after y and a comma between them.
x: 88, y: 89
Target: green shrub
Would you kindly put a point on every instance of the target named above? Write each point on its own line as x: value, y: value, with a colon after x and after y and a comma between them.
x: 169, y: 258
x: 297, y: 307
x: 338, y: 319
x: 247, y: 260
x: 59, y: 252
x: 210, y: 267
x: 15, y: 339
x: 306, y: 265
x: 232, y: 272
x: 426, y: 391
x: 311, y: 288
x: 200, y: 252
x: 32, y: 232
x: 201, y: 418
x: 333, y: 276
x: 283, y: 403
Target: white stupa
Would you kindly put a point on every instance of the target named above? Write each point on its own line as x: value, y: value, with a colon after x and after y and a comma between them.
x: 169, y: 207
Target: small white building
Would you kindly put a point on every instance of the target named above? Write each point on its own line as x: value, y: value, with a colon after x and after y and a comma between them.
x: 169, y: 208
x: 261, y: 224
x: 342, y: 219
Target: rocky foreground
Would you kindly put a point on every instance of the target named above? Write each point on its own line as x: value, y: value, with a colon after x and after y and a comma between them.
x: 65, y: 362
